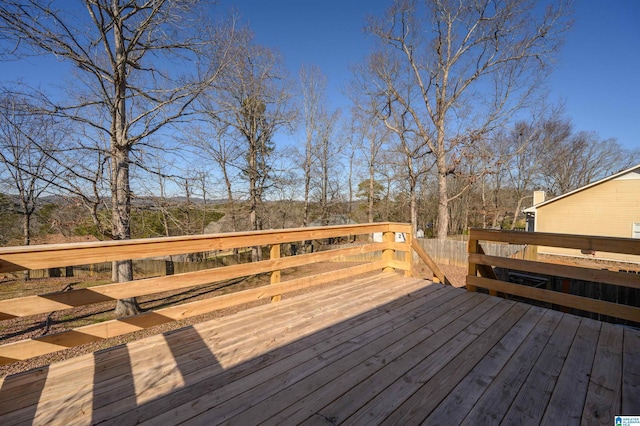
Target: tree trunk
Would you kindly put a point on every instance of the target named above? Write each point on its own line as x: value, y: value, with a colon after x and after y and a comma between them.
x: 26, y: 229
x: 371, y: 192
x: 232, y: 207
x: 414, y: 210
x: 169, y: 266
x: 413, y: 179
x: 350, y: 206
x: 307, y: 186
x: 517, y: 210
x: 120, y: 189
x: 484, y: 205
x: 443, y: 200
x: 253, y: 197
x: 127, y: 307
x: 325, y: 183
x: 204, y: 204
x: 120, y: 218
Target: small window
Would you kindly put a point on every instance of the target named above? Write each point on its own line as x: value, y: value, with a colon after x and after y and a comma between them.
x: 636, y: 230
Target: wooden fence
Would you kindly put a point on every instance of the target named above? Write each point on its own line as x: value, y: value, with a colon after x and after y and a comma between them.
x: 454, y: 253
x: 14, y: 259
x: 558, y: 293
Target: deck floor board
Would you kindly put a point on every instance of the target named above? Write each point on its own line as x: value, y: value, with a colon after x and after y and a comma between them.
x: 386, y: 349
x: 605, y: 380
x: 631, y: 372
x: 457, y: 404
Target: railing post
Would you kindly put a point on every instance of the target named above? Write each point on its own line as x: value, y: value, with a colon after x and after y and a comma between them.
x: 473, y: 247
x: 275, y: 275
x: 387, y: 254
x: 408, y: 255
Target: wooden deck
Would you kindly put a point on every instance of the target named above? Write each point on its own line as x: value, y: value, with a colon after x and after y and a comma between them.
x: 381, y: 350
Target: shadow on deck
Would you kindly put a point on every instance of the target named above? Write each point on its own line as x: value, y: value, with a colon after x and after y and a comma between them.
x: 380, y: 350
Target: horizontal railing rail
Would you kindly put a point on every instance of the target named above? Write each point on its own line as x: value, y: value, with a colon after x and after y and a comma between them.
x: 53, y: 256
x: 14, y: 259
x: 481, y: 274
x: 580, y: 242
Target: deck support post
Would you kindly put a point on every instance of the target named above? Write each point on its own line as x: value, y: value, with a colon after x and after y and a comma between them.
x: 275, y: 275
x: 473, y: 247
x: 408, y: 255
x: 387, y: 254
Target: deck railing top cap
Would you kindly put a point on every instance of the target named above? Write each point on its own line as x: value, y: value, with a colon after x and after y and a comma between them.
x: 154, y: 240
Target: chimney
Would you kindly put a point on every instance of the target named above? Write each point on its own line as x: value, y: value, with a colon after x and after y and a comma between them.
x: 538, y: 197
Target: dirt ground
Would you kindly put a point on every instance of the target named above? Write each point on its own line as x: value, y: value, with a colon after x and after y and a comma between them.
x: 454, y: 274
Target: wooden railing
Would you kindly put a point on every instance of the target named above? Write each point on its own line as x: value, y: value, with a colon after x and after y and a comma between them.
x: 482, y: 275
x: 14, y: 259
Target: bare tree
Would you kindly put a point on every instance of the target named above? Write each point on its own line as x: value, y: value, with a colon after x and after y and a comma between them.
x: 544, y: 152
x: 327, y: 153
x: 574, y: 159
x: 123, y: 89
x: 216, y: 141
x: 23, y: 137
x: 200, y: 178
x: 154, y: 187
x: 83, y: 173
x: 253, y: 100
x: 372, y: 135
x: 412, y: 156
x: 349, y: 155
x: 411, y: 150
x: 313, y: 84
x: 282, y: 211
x: 520, y: 152
x: 456, y: 70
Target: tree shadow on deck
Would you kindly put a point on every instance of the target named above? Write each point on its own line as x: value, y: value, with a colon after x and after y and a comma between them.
x: 120, y: 380
x: 190, y: 355
x: 206, y: 381
x: 306, y: 352
x: 20, y: 394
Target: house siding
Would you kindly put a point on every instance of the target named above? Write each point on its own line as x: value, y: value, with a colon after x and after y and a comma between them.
x: 608, y: 209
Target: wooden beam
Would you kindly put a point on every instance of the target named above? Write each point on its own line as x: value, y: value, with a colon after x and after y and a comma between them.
x: 437, y: 272
x: 32, y: 305
x: 473, y: 246
x: 275, y: 275
x: 57, y: 255
x: 408, y: 255
x: 578, y: 273
x: 397, y: 264
x: 52, y: 343
x: 581, y: 242
x: 387, y: 254
x: 400, y: 227
x: 572, y: 301
x: 403, y: 247
x: 484, y: 269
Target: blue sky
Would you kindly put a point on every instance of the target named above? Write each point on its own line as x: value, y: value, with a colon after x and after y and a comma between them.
x: 597, y: 75
x: 599, y: 70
